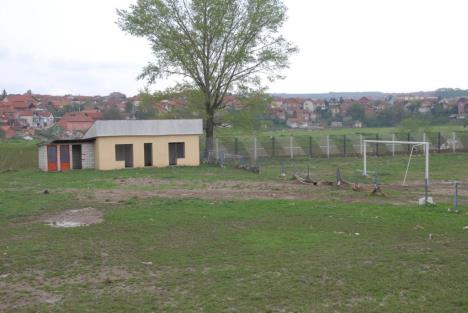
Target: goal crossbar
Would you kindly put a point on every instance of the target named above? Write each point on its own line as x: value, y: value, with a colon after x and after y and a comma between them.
x: 413, y: 143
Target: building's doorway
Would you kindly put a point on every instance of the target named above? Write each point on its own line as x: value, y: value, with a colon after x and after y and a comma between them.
x: 128, y: 155
x: 148, y: 154
x: 64, y: 157
x: 176, y: 151
x: 76, y: 157
x: 52, y: 158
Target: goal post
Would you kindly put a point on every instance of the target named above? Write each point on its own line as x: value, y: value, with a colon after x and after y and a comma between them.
x: 413, y: 143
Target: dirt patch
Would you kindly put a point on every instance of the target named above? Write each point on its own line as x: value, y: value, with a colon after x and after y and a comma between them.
x: 143, y: 188
x: 53, y: 291
x: 76, y: 218
x: 234, y: 190
x: 229, y: 190
x: 21, y: 295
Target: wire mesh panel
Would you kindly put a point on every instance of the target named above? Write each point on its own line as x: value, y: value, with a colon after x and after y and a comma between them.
x: 462, y: 141
x: 253, y: 148
x: 284, y: 146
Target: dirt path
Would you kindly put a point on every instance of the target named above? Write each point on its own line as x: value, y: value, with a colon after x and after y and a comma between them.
x: 247, y: 190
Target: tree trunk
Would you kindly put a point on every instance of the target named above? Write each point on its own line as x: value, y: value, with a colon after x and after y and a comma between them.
x: 209, y: 130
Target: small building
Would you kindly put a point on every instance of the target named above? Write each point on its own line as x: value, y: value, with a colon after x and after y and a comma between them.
x: 119, y: 144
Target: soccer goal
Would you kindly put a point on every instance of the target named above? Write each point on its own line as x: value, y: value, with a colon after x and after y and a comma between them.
x: 413, y: 144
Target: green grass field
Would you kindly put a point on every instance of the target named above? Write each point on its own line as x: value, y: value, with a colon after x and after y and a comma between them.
x: 211, y: 239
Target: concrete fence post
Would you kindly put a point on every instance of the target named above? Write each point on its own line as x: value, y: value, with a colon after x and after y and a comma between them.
x: 310, y: 146
x: 376, y: 145
x: 438, y: 142
x: 409, y: 146
x: 328, y: 146
x: 454, y: 142
x: 344, y: 146
x: 291, y: 147
x: 255, y: 149
x: 393, y: 145
x: 360, y: 144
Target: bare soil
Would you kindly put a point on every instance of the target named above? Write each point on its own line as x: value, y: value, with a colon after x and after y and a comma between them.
x: 247, y: 190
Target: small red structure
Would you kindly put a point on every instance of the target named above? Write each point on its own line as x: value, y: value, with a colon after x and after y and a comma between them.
x: 66, y: 154
x: 52, y: 158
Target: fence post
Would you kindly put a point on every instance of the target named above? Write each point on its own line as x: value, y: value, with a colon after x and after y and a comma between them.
x: 328, y: 146
x: 255, y: 149
x: 310, y: 146
x: 377, y: 145
x: 393, y: 145
x: 273, y: 147
x: 365, y: 159
x: 454, y: 142
x: 438, y: 142
x: 344, y: 145
x: 236, y: 149
x: 409, y: 139
x: 455, y: 198
x: 291, y: 147
x: 360, y: 144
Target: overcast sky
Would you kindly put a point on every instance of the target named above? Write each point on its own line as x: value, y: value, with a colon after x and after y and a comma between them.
x: 66, y: 46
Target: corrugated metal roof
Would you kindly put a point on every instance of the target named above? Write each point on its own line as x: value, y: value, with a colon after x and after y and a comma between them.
x: 144, y: 128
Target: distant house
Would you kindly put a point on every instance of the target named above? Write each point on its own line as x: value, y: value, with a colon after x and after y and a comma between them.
x: 43, y: 119
x: 26, y: 118
x: 336, y: 124
x: 119, y: 144
x: 425, y: 107
x: 95, y: 114
x: 462, y: 104
x: 76, y: 121
x: 278, y: 113
x: 8, y: 131
x: 296, y: 123
x: 357, y: 124
x: 20, y: 102
x: 364, y: 101
x: 310, y: 105
x: 334, y: 108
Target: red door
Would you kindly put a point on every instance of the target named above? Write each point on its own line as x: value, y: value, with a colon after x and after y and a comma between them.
x: 64, y: 157
x: 52, y: 158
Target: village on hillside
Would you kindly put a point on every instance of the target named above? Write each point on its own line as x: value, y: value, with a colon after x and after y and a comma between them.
x: 32, y: 115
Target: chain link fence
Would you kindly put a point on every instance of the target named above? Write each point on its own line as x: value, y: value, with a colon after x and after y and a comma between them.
x: 254, y: 148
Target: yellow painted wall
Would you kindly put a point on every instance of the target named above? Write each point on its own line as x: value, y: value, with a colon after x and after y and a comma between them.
x: 105, y: 151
